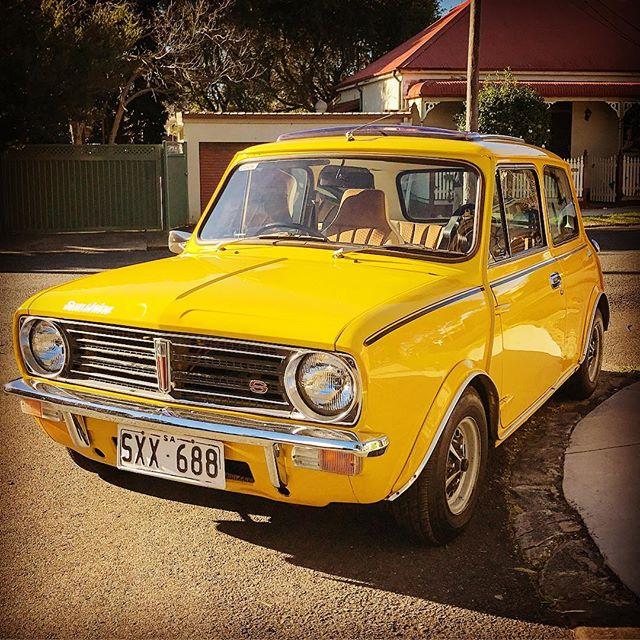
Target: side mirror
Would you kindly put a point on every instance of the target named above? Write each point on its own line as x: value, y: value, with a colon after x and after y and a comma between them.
x: 177, y: 240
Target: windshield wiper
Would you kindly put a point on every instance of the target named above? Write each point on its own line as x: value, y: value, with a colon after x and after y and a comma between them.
x: 418, y: 248
x: 293, y: 236
x: 406, y: 248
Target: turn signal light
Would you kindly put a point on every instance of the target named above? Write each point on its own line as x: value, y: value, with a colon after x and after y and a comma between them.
x: 39, y: 409
x: 31, y: 407
x: 341, y: 462
x: 347, y: 464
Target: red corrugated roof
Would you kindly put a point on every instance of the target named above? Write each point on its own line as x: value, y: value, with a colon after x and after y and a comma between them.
x: 457, y: 89
x: 527, y: 35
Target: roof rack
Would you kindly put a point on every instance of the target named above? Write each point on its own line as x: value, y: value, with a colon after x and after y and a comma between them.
x: 396, y: 130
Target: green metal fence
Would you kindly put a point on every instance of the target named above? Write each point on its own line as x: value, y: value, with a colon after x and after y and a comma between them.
x: 93, y: 187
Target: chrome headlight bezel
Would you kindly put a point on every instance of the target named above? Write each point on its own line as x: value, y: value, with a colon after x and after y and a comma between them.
x: 30, y: 360
x: 302, y: 407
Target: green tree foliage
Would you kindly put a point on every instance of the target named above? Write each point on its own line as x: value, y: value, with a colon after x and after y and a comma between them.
x: 304, y: 49
x: 62, y: 61
x: 105, y: 70
x: 510, y: 108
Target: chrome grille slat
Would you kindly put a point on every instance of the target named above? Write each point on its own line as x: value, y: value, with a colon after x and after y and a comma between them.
x: 120, y: 369
x: 238, y: 352
x: 111, y: 336
x: 224, y: 395
x: 127, y: 382
x: 205, y: 370
x: 100, y: 353
x: 226, y: 363
x: 100, y: 343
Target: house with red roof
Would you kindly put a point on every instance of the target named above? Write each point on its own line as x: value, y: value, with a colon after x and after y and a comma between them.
x: 581, y: 56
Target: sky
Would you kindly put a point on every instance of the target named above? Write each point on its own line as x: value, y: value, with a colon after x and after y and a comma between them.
x: 448, y: 4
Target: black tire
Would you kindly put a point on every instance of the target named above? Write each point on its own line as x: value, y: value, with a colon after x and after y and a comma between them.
x: 585, y: 380
x: 423, y: 510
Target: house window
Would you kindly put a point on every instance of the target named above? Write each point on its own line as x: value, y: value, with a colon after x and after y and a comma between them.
x: 563, y: 216
x: 521, y: 204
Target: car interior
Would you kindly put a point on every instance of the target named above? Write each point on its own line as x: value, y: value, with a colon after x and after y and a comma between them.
x: 361, y: 202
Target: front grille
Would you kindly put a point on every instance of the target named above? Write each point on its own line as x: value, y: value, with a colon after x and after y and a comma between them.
x: 203, y: 370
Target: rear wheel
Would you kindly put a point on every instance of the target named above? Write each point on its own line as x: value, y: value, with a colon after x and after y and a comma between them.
x: 439, y: 504
x: 585, y: 380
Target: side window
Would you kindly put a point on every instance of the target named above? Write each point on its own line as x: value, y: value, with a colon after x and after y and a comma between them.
x: 498, y: 241
x: 563, y: 215
x: 522, y: 209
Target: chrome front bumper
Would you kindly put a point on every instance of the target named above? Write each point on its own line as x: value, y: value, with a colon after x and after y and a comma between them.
x: 65, y: 405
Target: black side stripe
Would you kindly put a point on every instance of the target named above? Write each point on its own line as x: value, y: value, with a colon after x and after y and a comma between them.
x: 524, y: 272
x: 374, y: 337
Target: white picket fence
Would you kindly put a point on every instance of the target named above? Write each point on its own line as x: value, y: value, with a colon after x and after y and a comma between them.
x: 602, y: 179
x: 577, y: 172
x: 631, y: 176
x: 596, y: 178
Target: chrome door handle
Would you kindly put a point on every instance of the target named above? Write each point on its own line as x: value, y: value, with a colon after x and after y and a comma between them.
x: 555, y: 280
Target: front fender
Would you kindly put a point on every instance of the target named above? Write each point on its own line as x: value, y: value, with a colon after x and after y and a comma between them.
x: 454, y: 385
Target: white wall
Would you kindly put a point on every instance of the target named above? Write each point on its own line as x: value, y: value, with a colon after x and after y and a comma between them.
x: 598, y: 135
x: 443, y: 115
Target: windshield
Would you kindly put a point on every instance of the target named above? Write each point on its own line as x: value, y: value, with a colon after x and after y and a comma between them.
x: 429, y: 206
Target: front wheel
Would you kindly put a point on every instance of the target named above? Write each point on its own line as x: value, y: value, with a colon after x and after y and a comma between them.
x: 439, y: 504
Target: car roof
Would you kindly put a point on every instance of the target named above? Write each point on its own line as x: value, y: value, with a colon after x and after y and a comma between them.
x: 400, y: 140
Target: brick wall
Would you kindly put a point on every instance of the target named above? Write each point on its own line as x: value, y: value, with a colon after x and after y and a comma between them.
x: 214, y: 159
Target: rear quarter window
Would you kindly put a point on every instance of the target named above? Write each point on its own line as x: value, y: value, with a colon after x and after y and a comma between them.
x: 561, y: 208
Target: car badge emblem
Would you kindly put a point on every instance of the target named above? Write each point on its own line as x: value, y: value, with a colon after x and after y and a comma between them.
x: 259, y: 386
x: 162, y: 351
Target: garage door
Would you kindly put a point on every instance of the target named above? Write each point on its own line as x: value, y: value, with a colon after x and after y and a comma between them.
x: 214, y: 159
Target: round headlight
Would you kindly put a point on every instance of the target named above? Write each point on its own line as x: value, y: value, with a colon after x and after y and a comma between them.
x: 43, y: 347
x: 322, y: 386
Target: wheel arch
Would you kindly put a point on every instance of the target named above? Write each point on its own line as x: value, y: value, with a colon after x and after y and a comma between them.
x: 603, y: 307
x: 601, y: 303
x: 490, y: 397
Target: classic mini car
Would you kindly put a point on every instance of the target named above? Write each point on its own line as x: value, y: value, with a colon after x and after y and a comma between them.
x: 359, y: 316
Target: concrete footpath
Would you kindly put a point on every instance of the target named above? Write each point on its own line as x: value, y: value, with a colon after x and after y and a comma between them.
x: 83, y: 242
x: 602, y: 480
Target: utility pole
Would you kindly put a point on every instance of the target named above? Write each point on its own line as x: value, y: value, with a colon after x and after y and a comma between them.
x: 473, y: 66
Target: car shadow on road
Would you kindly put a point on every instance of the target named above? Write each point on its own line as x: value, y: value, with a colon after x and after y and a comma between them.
x: 361, y: 545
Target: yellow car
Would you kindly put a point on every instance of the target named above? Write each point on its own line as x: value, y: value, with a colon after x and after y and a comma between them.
x: 359, y: 316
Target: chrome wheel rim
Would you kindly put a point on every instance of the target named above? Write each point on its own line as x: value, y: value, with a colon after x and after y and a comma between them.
x: 463, y: 465
x: 593, y: 354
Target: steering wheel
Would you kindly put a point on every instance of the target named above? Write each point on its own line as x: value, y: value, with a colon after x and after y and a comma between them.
x: 289, y: 225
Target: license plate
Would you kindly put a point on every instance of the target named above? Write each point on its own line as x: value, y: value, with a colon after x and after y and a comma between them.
x: 155, y: 453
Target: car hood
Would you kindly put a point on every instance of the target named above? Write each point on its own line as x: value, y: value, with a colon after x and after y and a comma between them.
x: 301, y: 297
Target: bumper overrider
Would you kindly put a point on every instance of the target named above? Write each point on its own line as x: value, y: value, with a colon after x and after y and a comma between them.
x: 71, y: 407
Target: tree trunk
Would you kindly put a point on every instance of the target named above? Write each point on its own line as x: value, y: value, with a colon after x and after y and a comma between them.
x: 115, y: 127
x: 77, y: 132
x: 123, y: 100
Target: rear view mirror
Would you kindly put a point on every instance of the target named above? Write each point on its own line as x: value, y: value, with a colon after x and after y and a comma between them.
x: 178, y: 240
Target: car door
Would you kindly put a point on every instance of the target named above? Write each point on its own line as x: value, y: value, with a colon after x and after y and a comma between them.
x: 530, y: 307
x: 574, y: 257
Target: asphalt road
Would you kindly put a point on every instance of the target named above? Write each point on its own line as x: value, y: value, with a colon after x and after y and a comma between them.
x: 115, y: 554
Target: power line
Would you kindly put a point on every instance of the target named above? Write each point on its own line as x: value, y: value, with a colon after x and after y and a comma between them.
x: 624, y: 19
x: 609, y: 24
